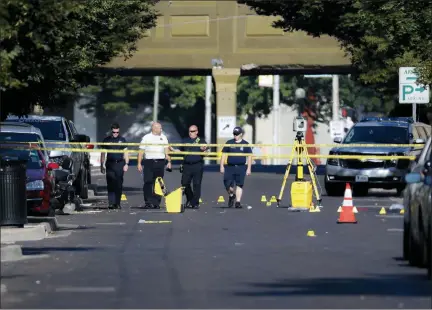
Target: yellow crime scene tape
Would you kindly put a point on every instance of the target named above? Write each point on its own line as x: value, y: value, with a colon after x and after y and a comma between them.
x: 339, y: 145
x: 217, y: 155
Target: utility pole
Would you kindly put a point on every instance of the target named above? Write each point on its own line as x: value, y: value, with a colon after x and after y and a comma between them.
x: 276, y: 105
x: 335, y: 96
x: 208, y: 120
x: 156, y: 99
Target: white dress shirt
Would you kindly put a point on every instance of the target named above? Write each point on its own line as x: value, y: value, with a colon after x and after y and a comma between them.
x: 154, y: 151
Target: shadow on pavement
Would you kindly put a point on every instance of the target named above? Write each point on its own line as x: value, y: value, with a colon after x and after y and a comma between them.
x: 10, y: 277
x: 79, y: 227
x: 46, y: 250
x: 391, y: 285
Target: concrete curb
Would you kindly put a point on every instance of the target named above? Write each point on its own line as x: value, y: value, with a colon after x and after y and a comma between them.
x: 10, y: 253
x: 37, y: 229
x: 50, y: 222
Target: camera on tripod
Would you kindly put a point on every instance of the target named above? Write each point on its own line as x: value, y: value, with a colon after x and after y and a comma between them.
x: 300, y: 124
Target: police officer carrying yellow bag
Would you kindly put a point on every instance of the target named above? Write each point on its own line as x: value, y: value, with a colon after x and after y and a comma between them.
x: 192, y: 167
x: 115, y: 166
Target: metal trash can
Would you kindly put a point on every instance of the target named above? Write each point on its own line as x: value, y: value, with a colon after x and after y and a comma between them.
x: 13, y: 202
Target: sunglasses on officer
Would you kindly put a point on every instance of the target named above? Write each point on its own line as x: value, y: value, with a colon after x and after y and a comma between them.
x: 115, y: 132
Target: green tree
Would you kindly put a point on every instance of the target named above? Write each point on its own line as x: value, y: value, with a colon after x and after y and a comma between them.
x: 50, y: 48
x: 181, y: 99
x: 378, y: 36
x: 257, y: 101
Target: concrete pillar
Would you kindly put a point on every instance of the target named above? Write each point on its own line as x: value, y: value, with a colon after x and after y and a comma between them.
x: 226, y: 102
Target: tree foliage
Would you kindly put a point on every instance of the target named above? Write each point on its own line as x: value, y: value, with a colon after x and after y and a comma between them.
x: 50, y: 48
x: 378, y: 36
x: 257, y: 101
x: 182, y: 99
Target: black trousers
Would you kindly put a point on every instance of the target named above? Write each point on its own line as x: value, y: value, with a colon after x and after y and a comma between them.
x: 114, y: 179
x: 192, y: 173
x: 153, y: 168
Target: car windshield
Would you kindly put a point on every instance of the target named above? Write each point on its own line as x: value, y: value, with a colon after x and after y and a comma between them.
x: 19, y: 137
x: 377, y: 134
x: 31, y: 156
x: 51, y: 130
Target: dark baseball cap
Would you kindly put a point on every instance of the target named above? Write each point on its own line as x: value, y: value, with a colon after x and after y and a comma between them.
x: 237, y: 130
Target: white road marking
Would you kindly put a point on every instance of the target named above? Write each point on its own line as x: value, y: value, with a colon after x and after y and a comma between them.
x: 81, y: 289
x: 114, y: 223
x: 371, y: 207
x: 395, y: 229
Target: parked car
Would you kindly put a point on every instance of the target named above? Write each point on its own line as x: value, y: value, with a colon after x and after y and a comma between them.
x: 61, y: 132
x: 374, y: 173
x: 417, y: 237
x: 21, y: 132
x: 39, y: 182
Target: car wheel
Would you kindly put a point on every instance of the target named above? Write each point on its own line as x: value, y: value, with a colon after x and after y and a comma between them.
x: 51, y: 212
x: 333, y: 189
x: 429, y: 252
x: 416, y: 256
x: 406, y: 244
x: 360, y: 190
x: 82, y: 187
x: 89, y: 180
x: 399, y: 190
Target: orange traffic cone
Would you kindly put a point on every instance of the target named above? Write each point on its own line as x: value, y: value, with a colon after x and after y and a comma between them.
x: 347, y: 211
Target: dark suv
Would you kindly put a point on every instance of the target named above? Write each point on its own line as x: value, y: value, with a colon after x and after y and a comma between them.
x: 60, y: 132
x: 374, y: 173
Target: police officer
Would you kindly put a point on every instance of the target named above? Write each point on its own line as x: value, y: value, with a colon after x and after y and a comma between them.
x: 192, y: 167
x: 115, y: 166
x: 237, y: 167
x: 155, y: 151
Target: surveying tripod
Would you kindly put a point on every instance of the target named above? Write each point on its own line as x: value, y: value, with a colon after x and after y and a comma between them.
x: 299, y: 150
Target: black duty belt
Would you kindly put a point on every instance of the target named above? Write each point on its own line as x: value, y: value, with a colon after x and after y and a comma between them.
x: 236, y: 165
x: 193, y: 163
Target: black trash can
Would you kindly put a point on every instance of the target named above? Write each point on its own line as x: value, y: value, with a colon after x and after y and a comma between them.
x: 13, y: 202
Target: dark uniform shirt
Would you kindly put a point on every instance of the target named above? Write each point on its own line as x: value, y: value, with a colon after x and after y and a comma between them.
x: 237, y: 160
x: 191, y: 159
x: 119, y: 140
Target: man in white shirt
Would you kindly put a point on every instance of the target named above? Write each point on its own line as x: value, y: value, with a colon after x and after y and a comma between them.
x: 155, y: 156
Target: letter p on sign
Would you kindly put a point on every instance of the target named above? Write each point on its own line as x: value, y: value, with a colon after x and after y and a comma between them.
x: 407, y: 90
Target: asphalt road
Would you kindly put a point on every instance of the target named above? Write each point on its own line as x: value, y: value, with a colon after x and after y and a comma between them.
x: 220, y: 258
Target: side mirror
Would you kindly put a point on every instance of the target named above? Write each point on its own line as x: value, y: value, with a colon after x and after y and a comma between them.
x: 67, y: 164
x: 337, y: 140
x: 82, y: 138
x: 413, y: 177
x: 53, y: 166
x: 419, y: 141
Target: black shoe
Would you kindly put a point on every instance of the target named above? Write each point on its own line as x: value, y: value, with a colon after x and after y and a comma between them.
x: 231, y: 201
x: 118, y: 206
x: 238, y: 205
x: 187, y: 205
x: 195, y: 207
x: 111, y: 206
x: 156, y: 206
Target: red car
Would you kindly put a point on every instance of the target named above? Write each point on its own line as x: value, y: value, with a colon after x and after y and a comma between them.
x: 40, y: 183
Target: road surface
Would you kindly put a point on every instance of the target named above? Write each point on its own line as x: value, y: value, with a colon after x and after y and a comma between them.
x: 220, y: 258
